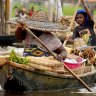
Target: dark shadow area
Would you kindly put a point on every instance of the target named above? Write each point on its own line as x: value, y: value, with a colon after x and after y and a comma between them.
x: 13, y: 86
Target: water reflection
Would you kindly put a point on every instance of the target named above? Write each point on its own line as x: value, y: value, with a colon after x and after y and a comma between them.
x: 66, y: 92
x: 52, y: 93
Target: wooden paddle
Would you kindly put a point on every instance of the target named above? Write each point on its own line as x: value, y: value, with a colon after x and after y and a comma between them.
x: 82, y: 82
x: 73, y: 18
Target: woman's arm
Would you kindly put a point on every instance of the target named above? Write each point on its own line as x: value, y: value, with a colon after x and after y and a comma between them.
x: 73, y: 36
x: 87, y: 10
x: 61, y: 53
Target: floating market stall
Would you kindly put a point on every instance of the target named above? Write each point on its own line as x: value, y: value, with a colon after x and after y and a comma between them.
x: 42, y: 73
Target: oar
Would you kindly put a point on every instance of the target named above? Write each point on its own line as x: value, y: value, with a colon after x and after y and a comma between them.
x: 82, y: 82
x: 73, y: 18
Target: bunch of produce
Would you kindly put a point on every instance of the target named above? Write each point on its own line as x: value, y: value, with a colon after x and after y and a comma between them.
x: 75, y: 51
x: 93, y: 61
x: 87, y: 53
x: 18, y: 59
x: 40, y: 63
x: 65, y: 20
x: 45, y: 63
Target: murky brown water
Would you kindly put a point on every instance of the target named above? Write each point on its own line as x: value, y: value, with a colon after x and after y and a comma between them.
x: 75, y: 92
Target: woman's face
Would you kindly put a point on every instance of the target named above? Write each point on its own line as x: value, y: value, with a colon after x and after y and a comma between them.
x: 80, y: 19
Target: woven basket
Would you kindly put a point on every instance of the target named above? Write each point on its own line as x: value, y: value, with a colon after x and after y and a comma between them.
x: 88, y: 69
x: 77, y: 71
x: 40, y: 21
x: 45, y: 26
x: 79, y: 43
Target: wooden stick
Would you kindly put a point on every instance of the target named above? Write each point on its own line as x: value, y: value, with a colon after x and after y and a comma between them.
x: 73, y: 18
x: 78, y: 78
x: 82, y: 82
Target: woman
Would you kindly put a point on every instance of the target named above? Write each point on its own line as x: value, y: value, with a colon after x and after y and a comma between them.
x: 34, y: 48
x: 85, y: 26
x: 22, y: 13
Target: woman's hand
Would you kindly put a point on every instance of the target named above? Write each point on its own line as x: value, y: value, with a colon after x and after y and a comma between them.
x: 59, y: 57
x: 62, y: 55
x: 69, y: 39
x: 83, y: 2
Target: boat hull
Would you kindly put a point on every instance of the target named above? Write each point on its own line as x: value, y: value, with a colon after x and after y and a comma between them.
x: 3, y: 75
x: 36, y: 80
x: 40, y: 82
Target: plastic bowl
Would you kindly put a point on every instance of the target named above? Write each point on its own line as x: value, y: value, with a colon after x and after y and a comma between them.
x: 79, y: 62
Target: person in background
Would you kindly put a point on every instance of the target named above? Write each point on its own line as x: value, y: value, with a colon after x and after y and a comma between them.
x: 22, y: 13
x: 85, y: 26
x: 31, y: 11
x: 16, y: 11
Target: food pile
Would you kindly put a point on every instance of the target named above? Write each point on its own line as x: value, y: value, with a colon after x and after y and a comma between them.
x: 65, y: 20
x: 49, y: 64
x: 18, y: 59
x: 87, y: 53
x: 40, y: 63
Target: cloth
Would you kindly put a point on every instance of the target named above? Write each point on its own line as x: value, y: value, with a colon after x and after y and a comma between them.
x: 22, y: 15
x: 50, y: 40
x: 31, y: 13
x: 34, y: 50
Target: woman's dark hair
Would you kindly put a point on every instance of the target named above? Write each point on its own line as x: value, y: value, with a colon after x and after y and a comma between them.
x: 83, y: 12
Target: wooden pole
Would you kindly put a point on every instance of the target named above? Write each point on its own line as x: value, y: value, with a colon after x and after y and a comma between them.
x: 59, y: 9
x: 73, y: 18
x: 7, y: 16
x: 2, y: 18
x: 82, y: 82
x: 51, y: 10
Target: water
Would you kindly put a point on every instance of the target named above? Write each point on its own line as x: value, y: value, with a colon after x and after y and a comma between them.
x: 67, y: 92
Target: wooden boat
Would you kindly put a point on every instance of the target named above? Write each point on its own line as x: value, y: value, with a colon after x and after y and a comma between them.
x: 32, y: 79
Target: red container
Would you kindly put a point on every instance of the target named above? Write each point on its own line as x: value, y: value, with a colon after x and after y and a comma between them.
x: 74, y: 65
